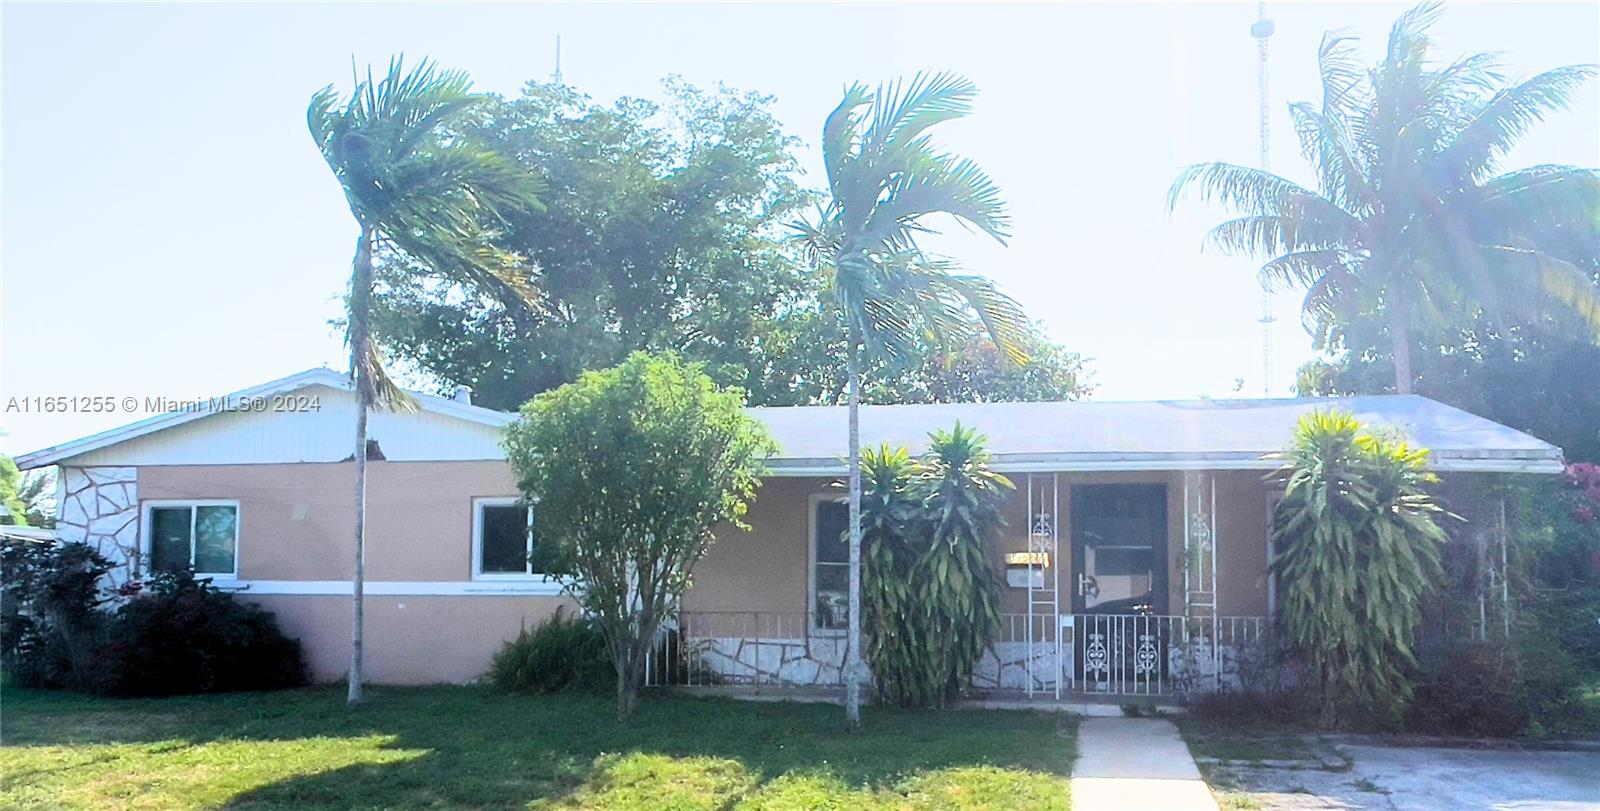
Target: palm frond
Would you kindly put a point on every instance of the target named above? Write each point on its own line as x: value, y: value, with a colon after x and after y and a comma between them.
x: 1245, y: 189
x: 422, y: 187
x: 840, y: 149
x: 937, y: 185
x: 1328, y: 145
x: 1342, y: 75
x: 1408, y: 37
x: 1304, y: 268
x: 1572, y: 286
x: 901, y: 117
x: 1330, y: 298
x: 1500, y: 122
x: 375, y: 384
x: 887, y: 177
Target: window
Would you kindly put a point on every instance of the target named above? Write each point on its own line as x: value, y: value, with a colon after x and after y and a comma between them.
x: 830, y: 563
x: 198, y: 535
x: 502, y: 539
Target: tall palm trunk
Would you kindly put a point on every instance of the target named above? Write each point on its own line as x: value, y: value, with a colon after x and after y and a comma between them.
x: 360, y: 337
x: 1400, y: 340
x: 853, y: 664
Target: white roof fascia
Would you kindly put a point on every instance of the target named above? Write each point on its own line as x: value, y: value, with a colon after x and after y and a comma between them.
x: 284, y: 385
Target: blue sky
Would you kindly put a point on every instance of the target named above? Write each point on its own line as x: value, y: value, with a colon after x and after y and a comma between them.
x: 169, y: 230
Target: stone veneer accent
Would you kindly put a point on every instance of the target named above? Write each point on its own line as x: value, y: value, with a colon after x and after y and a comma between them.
x: 99, y: 506
x: 819, y: 661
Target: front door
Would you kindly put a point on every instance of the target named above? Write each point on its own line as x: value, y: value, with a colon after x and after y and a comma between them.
x: 1119, y: 548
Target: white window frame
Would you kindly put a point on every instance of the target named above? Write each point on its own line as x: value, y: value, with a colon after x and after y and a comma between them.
x: 477, y: 541
x: 148, y: 507
x: 811, y: 563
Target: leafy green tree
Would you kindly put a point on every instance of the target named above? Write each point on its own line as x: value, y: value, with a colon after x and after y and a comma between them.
x: 1358, y: 540
x: 425, y: 195
x: 632, y: 468
x: 931, y: 594
x: 38, y: 495
x: 1413, y: 217
x: 1535, y: 376
x: 15, y: 507
x: 978, y: 372
x: 887, y: 182
x: 663, y: 231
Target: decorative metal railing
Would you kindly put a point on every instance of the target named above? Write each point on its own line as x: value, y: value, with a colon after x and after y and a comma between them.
x: 1052, y: 655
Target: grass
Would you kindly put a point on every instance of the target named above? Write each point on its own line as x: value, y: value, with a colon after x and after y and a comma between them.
x: 467, y: 747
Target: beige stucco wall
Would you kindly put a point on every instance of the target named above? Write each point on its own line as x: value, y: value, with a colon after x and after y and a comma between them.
x: 409, y: 640
x: 767, y: 569
x: 296, y: 524
x: 296, y: 521
x: 1242, y: 524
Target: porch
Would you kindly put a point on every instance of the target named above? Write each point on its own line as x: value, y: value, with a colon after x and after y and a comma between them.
x: 1111, y: 589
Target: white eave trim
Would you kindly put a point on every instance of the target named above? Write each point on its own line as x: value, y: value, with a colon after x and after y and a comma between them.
x: 1471, y: 462
x: 294, y: 382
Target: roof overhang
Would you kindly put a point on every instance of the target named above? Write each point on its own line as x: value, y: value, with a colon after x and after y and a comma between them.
x: 1109, y: 463
x: 229, y: 402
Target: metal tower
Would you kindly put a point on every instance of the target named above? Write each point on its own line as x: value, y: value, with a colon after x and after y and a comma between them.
x: 555, y: 77
x: 1262, y: 31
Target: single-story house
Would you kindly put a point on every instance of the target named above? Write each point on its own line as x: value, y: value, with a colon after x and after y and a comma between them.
x: 1135, y: 553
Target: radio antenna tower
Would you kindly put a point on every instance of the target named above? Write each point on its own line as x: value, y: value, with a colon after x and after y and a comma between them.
x: 1262, y: 31
x: 556, y: 76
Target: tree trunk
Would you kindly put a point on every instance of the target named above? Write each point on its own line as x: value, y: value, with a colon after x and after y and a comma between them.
x: 630, y: 659
x: 853, y: 664
x: 360, y: 297
x: 1400, y: 342
x: 625, y: 689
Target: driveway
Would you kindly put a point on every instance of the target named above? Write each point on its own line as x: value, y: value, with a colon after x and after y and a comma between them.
x: 1415, y: 779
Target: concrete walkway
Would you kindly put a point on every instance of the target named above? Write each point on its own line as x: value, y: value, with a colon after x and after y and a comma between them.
x: 1136, y: 763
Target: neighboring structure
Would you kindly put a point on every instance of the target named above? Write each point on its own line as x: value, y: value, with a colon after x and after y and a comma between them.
x: 1135, y: 554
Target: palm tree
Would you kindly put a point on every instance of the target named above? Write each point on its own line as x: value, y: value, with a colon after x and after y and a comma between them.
x: 1411, y: 219
x: 427, y: 197
x: 886, y: 179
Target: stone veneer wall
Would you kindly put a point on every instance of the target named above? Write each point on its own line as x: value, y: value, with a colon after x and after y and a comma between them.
x: 99, y: 506
x: 819, y: 661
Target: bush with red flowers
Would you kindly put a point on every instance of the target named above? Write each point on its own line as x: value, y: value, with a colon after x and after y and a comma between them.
x: 1584, y: 479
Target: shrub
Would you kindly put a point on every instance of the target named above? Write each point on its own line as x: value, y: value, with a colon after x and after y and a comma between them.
x: 185, y: 636
x: 931, y: 594
x: 636, y: 469
x: 562, y: 653
x: 1359, y: 543
x: 1289, y: 707
x: 1495, y: 689
x: 51, y: 623
x: 1470, y: 689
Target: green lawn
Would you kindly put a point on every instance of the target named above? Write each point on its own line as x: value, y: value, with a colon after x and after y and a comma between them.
x: 465, y: 747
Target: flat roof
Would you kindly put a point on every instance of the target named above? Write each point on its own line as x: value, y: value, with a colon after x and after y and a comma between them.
x: 1150, y: 435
